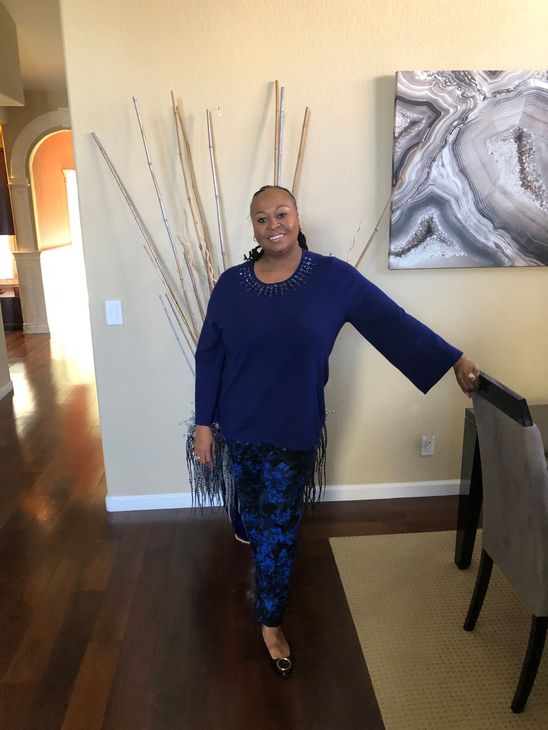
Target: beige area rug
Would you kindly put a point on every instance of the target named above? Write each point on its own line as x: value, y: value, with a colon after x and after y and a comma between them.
x: 409, y: 601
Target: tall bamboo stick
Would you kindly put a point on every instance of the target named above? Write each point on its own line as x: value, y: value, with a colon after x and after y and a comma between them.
x: 353, y: 241
x: 189, y: 257
x: 150, y: 246
x: 375, y: 231
x: 211, y: 144
x: 208, y: 263
x: 394, y: 190
x: 276, y: 130
x: 164, y: 217
x: 190, y: 271
x: 194, y: 209
x: 190, y: 265
x: 298, y: 166
x: 280, y: 136
x: 196, y: 193
x: 163, y: 299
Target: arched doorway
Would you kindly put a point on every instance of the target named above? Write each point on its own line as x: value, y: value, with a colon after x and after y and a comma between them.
x: 49, y: 252
x: 27, y: 254
x: 57, y: 224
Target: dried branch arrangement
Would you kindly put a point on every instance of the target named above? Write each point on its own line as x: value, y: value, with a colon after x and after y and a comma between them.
x: 185, y: 295
x: 197, y: 265
x: 394, y: 190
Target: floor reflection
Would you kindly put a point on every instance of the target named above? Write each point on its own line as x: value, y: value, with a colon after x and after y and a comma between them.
x: 51, y: 465
x: 68, y: 313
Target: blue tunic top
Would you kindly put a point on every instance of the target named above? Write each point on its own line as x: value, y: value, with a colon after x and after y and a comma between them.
x: 262, y: 357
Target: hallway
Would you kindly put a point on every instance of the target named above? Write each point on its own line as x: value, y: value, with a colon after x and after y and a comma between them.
x: 141, y: 620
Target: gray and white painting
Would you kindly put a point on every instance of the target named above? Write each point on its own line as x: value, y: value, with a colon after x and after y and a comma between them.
x: 470, y: 169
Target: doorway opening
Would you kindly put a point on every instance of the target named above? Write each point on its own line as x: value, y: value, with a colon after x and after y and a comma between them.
x: 57, y: 223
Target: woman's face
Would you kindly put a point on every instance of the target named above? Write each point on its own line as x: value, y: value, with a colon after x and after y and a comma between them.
x: 275, y: 222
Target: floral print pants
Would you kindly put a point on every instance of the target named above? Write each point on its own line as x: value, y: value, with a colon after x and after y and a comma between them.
x: 269, y: 482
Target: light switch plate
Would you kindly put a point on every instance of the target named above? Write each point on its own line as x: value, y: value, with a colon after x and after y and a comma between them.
x: 113, y: 311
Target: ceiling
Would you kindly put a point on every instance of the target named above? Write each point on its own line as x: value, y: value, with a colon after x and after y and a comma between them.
x: 40, y: 45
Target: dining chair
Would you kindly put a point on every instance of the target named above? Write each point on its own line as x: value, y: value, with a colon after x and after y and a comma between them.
x: 515, y: 514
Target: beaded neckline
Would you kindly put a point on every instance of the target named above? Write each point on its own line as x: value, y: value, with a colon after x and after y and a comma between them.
x: 299, y: 277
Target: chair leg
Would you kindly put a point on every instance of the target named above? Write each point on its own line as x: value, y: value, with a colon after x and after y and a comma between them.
x: 537, y: 637
x: 480, y: 589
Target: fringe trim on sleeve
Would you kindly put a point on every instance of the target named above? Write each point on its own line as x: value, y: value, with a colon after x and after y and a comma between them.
x: 214, y: 486
x: 211, y: 486
x: 315, y: 487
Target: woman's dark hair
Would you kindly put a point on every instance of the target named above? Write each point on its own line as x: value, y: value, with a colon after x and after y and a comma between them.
x: 256, y: 253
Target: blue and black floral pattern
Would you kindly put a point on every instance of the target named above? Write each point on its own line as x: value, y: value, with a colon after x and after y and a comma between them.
x: 269, y: 482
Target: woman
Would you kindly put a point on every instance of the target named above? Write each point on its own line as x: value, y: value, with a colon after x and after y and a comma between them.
x: 261, y: 368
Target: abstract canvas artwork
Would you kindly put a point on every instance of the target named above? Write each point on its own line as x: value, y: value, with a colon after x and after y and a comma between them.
x: 470, y: 169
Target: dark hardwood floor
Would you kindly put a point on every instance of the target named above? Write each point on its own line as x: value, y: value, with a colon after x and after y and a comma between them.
x: 142, y: 620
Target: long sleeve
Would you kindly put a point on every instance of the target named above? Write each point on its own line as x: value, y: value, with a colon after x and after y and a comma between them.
x: 418, y: 352
x: 210, y: 356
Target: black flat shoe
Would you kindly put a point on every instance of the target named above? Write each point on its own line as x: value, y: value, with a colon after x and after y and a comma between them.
x: 283, y: 667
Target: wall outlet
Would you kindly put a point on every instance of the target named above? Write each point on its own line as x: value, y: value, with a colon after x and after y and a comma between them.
x: 427, y: 445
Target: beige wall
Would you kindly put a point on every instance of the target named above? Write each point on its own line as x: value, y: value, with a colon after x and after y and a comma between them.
x: 54, y: 155
x: 340, y: 59
x: 11, y: 88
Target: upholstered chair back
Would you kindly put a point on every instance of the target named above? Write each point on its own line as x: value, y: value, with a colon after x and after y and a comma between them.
x: 515, y: 506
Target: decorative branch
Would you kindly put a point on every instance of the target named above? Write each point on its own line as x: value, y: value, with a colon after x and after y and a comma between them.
x: 211, y: 144
x: 163, y: 299
x: 191, y: 269
x: 394, y: 190
x: 164, y: 217
x: 375, y: 230
x: 194, y: 208
x: 276, y: 131
x: 196, y: 194
x: 184, y: 324
x: 150, y: 246
x: 280, y: 136
x: 207, y: 261
x: 298, y: 166
x: 353, y: 241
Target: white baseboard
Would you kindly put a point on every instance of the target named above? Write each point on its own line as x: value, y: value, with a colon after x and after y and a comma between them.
x: 387, y: 490
x: 36, y: 329
x: 5, y: 389
x: 335, y: 493
x: 132, y: 502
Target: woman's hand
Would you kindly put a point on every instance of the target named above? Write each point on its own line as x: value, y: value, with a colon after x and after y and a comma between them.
x: 204, y: 445
x: 467, y: 374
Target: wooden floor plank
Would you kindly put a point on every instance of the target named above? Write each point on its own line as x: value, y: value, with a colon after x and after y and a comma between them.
x: 97, y: 566
x: 14, y: 702
x: 89, y: 698
x: 37, y: 641
x: 54, y: 690
x: 117, y: 599
x: 129, y: 696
